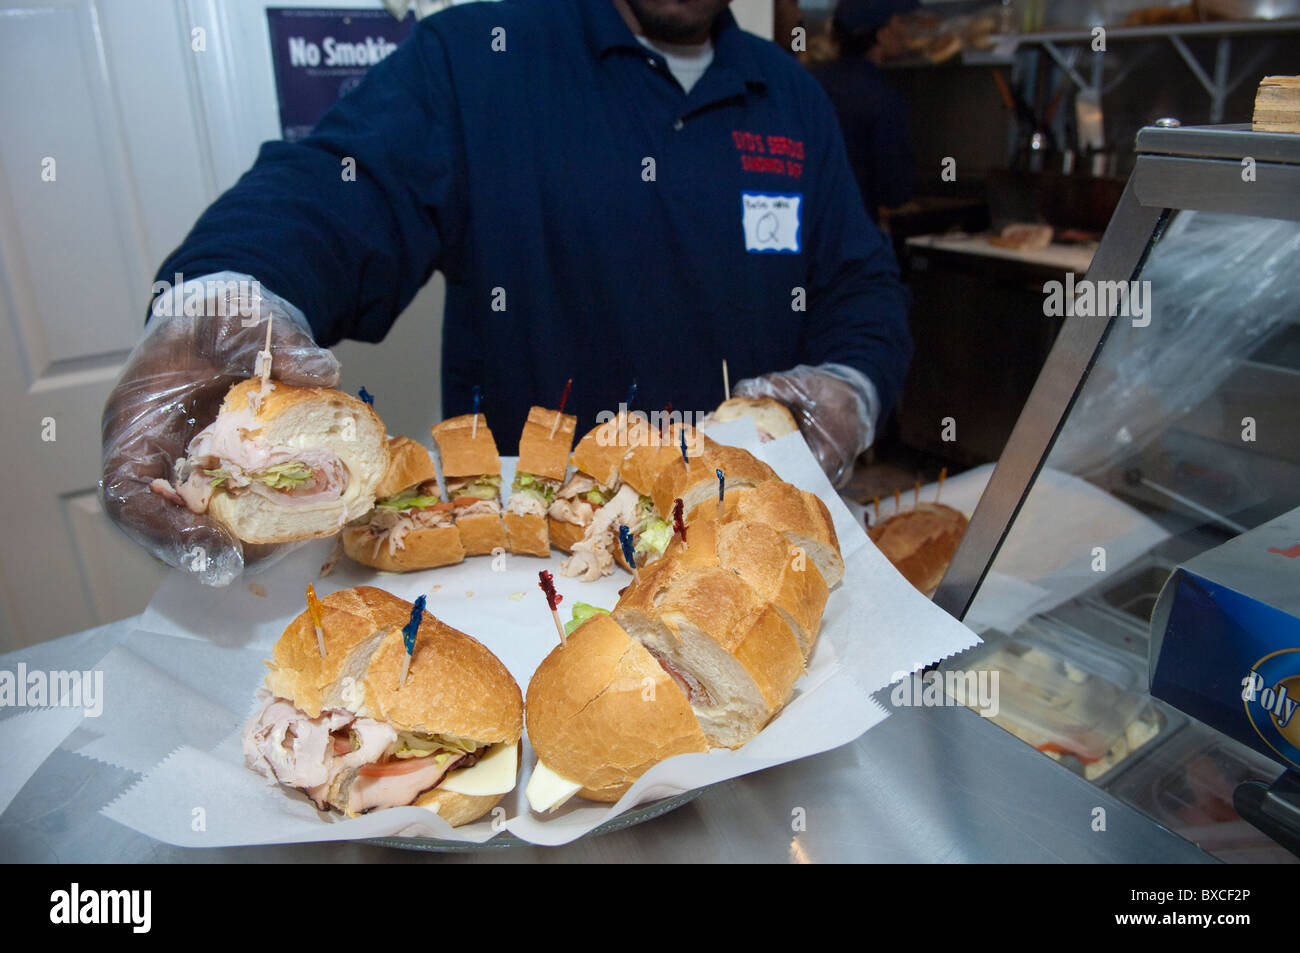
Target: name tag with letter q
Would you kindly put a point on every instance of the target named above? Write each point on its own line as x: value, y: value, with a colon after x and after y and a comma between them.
x: 770, y: 221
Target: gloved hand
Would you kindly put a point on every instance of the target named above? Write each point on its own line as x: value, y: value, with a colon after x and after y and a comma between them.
x: 170, y: 389
x: 834, y: 405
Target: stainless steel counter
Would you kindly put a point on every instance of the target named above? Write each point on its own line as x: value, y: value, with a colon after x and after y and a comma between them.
x: 927, y: 785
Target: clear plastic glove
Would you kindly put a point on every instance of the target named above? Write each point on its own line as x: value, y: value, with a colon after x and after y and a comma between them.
x: 170, y: 389
x: 834, y: 405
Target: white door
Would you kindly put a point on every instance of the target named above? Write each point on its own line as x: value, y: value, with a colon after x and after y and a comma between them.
x: 101, y: 170
x: 117, y: 133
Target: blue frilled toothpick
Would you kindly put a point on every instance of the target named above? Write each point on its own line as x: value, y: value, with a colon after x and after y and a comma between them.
x: 366, y: 396
x: 631, y: 395
x: 629, y: 553
x: 409, y: 632
x: 685, y: 459
x: 722, y: 489
x: 473, y: 430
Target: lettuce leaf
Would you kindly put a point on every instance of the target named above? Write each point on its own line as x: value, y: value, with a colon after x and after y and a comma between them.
x: 404, y: 502
x: 282, y: 476
x: 581, y: 613
x: 655, y: 536
x: 533, y: 487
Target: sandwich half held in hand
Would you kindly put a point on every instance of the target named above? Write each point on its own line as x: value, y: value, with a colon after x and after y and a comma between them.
x: 471, y: 470
x: 771, y: 418
x: 921, y: 542
x: 543, y: 459
x: 283, y: 463
x: 410, y: 527
x: 340, y: 730
x: 601, y: 712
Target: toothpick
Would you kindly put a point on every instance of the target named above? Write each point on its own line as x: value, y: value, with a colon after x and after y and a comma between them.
x: 942, y: 475
x: 313, y: 610
x: 916, y: 494
x: 876, y: 502
x: 406, y: 667
x: 264, y: 358
x: 559, y: 413
x: 473, y: 430
x: 546, y: 582
x: 409, y: 633
x: 897, y: 504
x: 726, y: 382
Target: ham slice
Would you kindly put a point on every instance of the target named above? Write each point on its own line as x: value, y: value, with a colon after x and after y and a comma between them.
x: 229, y: 443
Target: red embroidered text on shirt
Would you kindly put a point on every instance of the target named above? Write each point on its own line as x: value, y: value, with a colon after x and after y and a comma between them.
x: 776, y: 154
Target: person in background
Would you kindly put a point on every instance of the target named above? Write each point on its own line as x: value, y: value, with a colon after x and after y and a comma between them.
x: 872, y: 116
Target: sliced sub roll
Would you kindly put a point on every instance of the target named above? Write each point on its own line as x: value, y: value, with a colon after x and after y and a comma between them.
x: 730, y: 651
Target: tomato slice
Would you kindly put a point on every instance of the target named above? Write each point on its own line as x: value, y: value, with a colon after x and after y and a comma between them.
x: 442, y: 507
x: 465, y: 501
x: 394, y: 768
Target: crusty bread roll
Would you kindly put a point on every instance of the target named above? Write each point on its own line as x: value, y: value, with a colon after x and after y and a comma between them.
x: 601, y: 711
x: 352, y: 620
x: 426, y: 548
x: 700, y: 482
x: 455, y: 688
x: 644, y: 462
x: 564, y: 534
x: 797, y: 515
x: 541, y: 454
x: 481, y: 533
x: 306, y: 417
x: 773, y: 567
x: 409, y: 465
x: 921, y: 542
x: 466, y: 451
x: 734, y: 651
x: 527, y: 535
x: 455, y: 685
x: 771, y: 418
x: 600, y: 452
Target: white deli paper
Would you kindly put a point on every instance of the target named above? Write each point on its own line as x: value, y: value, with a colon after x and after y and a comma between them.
x: 876, y: 627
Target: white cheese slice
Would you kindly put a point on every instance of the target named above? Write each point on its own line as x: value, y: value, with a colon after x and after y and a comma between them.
x: 493, y: 774
x: 547, y: 790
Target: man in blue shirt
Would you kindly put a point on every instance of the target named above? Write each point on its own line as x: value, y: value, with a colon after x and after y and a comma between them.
x: 615, y: 190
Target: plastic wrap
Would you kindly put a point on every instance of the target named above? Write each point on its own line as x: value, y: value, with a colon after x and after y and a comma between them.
x: 834, y: 405
x: 170, y: 389
x: 1219, y: 284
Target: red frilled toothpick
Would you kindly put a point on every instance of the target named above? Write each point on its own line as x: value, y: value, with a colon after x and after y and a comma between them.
x: 679, y: 523
x: 563, y: 399
x: 553, y: 599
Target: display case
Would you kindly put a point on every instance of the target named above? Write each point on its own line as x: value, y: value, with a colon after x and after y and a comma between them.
x: 1165, y: 422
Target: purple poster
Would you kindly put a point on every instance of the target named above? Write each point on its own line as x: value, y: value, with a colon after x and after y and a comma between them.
x: 320, y: 55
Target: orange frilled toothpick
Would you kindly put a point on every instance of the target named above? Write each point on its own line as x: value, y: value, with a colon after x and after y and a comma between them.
x: 313, y: 610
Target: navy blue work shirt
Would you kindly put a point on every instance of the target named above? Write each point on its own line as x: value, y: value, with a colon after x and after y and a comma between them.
x: 592, y: 220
